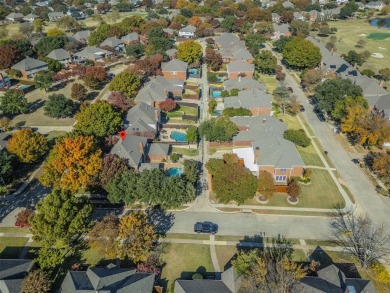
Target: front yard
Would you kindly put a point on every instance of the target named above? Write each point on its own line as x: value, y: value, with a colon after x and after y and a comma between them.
x: 11, y: 247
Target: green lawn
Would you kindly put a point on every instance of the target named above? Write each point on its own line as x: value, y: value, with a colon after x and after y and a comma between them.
x: 188, y: 236
x: 14, y: 230
x: 269, y: 80
x: 186, y: 152
x: 182, y: 260
x: 224, y: 254
x: 11, y: 247
x: 351, y: 30
x: 298, y: 255
x: 321, y: 193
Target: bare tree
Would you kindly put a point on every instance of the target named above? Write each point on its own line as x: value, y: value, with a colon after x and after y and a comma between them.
x: 358, y: 235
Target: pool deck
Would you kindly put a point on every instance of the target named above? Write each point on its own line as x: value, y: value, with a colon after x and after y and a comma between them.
x: 165, y: 134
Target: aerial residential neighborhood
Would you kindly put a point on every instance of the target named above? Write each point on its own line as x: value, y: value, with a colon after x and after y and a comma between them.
x: 195, y: 146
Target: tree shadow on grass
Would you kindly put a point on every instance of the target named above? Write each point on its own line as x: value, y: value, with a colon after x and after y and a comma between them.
x: 34, y: 106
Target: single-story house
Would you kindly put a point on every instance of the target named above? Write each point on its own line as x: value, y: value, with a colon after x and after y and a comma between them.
x: 60, y: 55
x: 282, y: 29
x: 268, y: 149
x: 107, y: 279
x: 113, y: 43
x: 175, y: 68
x: 15, y: 17
x: 143, y: 120
x: 30, y: 17
x: 275, y: 17
x: 378, y: 5
x: 29, y: 66
x: 91, y: 53
x: 130, y: 38
x: 159, y: 89
x: 12, y: 273
x: 54, y: 16
x: 240, y: 68
x: 187, y: 32
x: 257, y: 101
x: 82, y: 36
x: 298, y: 16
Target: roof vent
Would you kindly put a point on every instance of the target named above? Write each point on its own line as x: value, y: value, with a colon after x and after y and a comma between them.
x: 264, y: 120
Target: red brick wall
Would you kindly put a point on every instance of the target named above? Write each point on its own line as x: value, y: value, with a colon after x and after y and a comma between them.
x: 248, y: 74
x: 157, y: 158
x: 229, y: 144
x: 179, y: 74
x: 257, y: 111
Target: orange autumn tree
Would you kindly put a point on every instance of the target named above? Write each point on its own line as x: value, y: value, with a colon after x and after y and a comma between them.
x: 72, y: 163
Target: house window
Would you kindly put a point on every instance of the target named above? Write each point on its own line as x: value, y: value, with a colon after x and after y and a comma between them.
x: 174, y: 73
x: 280, y: 178
x: 283, y: 170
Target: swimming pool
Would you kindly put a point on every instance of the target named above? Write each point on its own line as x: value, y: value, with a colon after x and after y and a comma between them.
x: 216, y: 94
x: 178, y: 136
x: 175, y: 172
x: 217, y: 112
x: 219, y: 79
x: 193, y: 71
x: 23, y: 87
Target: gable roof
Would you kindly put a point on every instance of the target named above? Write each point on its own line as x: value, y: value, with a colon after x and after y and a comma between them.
x: 12, y: 273
x: 158, y: 89
x: 92, y: 52
x: 82, y: 35
x: 383, y: 104
x: 59, y: 54
x: 188, y: 29
x: 158, y: 149
x: 243, y: 83
x: 225, y: 39
x: 107, y: 279
x: 29, y: 64
x: 249, y: 98
x: 130, y: 148
x: 240, y: 66
x: 131, y: 37
x: 14, y: 15
x: 144, y: 112
x: 55, y: 14
x: 111, y: 42
x: 174, y: 65
x: 201, y: 286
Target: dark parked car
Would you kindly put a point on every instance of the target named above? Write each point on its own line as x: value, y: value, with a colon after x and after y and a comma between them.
x: 205, y: 227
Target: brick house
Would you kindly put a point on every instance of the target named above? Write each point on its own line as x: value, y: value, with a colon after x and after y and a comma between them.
x: 240, y: 68
x: 175, y: 69
x: 257, y: 101
x: 30, y: 66
x: 269, y: 151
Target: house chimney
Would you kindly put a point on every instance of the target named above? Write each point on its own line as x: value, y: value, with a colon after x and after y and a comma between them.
x: 141, y: 147
x: 122, y: 135
x: 257, y: 154
x: 264, y: 120
x: 156, y: 115
x: 239, y: 78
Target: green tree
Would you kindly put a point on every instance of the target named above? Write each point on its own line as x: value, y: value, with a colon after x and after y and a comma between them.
x: 123, y: 188
x: 6, y: 166
x: 297, y: 136
x: 281, y: 43
x: 91, y: 82
x: 43, y: 80
x: 99, y: 35
x: 384, y: 73
x: 98, y: 119
x: 192, y: 134
x: 244, y: 260
x: 341, y: 106
x: 127, y: 83
x: 228, y: 23
x: 301, y: 53
x: 266, y: 185
x: 58, y: 106
x: 48, y: 44
x: 253, y: 41
x: 221, y: 129
x: 36, y: 281
x: 332, y: 90
x: 354, y: 58
x: 191, y: 170
x: 53, y: 65
x: 265, y: 62
x: 232, y: 112
x: 13, y: 102
x: 300, y: 28
x: 135, y: 50
x: 189, y: 51
x: 348, y: 9
x: 27, y: 145
x: 78, y: 92
x: 61, y: 219
x: 138, y: 237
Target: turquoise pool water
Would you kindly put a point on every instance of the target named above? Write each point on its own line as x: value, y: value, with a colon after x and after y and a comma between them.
x: 219, y: 79
x: 175, y: 171
x: 178, y: 136
x: 23, y: 87
x: 216, y: 94
x: 380, y: 22
x: 193, y: 71
x: 217, y: 112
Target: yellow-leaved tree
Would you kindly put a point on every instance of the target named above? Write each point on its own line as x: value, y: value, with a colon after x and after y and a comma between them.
x: 27, y: 145
x: 72, y: 163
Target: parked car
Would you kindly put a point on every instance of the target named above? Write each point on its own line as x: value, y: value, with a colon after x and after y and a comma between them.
x: 205, y: 227
x: 301, y: 108
x: 290, y: 89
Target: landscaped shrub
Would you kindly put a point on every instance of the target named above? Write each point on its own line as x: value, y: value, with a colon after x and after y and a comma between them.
x: 298, y: 137
x: 212, y: 105
x: 231, y: 112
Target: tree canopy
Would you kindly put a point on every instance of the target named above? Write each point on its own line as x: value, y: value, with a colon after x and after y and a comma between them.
x: 43, y: 80
x: 72, y: 163
x: 265, y: 62
x: 27, y: 145
x: 36, y: 281
x: 13, y: 102
x: 231, y: 181
x: 48, y: 44
x: 189, y: 51
x: 221, y: 129
x: 98, y: 119
x: 301, y: 53
x: 127, y: 83
x: 103, y: 236
x: 9, y: 55
x: 58, y: 106
x: 6, y: 166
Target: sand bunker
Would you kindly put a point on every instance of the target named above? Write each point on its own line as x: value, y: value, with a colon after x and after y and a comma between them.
x: 362, y: 35
x: 381, y: 48
x: 377, y: 55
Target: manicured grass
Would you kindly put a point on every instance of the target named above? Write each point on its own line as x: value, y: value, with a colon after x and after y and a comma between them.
x: 320, y: 242
x: 54, y: 134
x: 241, y: 238
x: 350, y: 31
x: 14, y: 230
x: 298, y: 255
x: 378, y: 36
x: 188, y: 236
x: 186, y: 152
x: 180, y: 110
x: 349, y: 193
x: 92, y: 257
x: 310, y: 156
x: 269, y: 81
x: 321, y: 149
x: 276, y: 212
x: 183, y: 260
x: 11, y: 247
x: 224, y: 254
x: 33, y: 250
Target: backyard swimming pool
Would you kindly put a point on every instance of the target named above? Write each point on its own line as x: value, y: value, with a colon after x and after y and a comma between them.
x: 193, y: 71
x: 216, y: 94
x: 178, y: 136
x: 217, y: 112
x: 175, y: 172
